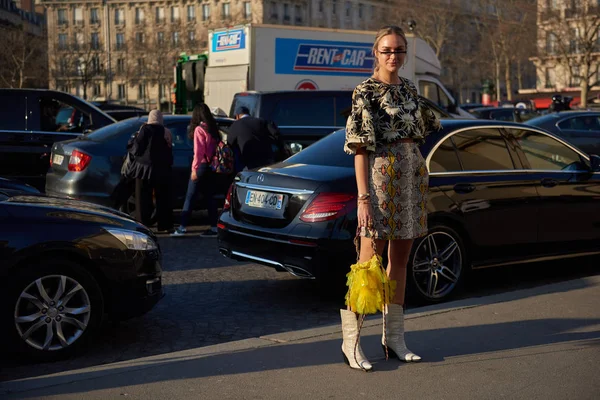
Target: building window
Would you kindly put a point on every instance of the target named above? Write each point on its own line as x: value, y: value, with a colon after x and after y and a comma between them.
x: 63, y: 66
x: 247, y: 10
x: 226, y: 10
x: 140, y: 65
x: 79, y: 40
x: 361, y: 10
x: 175, y: 38
x: 121, y: 65
x: 121, y: 91
x: 78, y: 16
x: 160, y: 14
x: 62, y: 16
x: 348, y: 9
x: 95, y: 65
x: 286, y: 12
x: 94, y: 16
x: 141, y: 91
x: 120, y: 41
x: 321, y: 7
x: 160, y: 37
x: 549, y: 77
x: 95, y: 41
x: 205, y: 12
x: 575, y: 76
x: 334, y: 7
x: 139, y: 16
x: 96, y: 89
x: 274, y: 13
x: 161, y: 91
x: 298, y: 14
x: 174, y: 14
x: 551, y: 40
x: 191, y: 13
x: 119, y: 16
x: 139, y: 37
x: 192, y: 37
x: 62, y: 41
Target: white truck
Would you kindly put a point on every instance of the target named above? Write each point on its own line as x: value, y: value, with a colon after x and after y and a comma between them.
x: 273, y: 57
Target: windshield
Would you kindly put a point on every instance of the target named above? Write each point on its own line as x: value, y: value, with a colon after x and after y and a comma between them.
x: 328, y: 151
x: 250, y: 101
x: 116, y: 129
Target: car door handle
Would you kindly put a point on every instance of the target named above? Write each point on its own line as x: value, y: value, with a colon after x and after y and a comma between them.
x: 549, y: 182
x: 464, y: 188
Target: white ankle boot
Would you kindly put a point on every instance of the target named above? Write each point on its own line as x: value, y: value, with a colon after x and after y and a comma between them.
x: 394, y: 334
x: 350, y: 335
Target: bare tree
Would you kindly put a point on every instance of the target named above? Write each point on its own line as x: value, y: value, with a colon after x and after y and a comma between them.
x: 24, y: 60
x: 573, y: 42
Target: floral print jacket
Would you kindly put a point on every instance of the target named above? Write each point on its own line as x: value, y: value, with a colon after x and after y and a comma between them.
x: 383, y: 113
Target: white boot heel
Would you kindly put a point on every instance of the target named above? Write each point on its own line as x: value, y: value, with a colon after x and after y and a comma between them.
x: 394, y: 335
x: 351, y: 342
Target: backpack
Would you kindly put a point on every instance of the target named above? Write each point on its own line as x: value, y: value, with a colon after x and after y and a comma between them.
x: 223, y: 161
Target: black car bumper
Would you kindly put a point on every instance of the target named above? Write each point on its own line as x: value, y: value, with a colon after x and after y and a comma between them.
x: 302, y: 257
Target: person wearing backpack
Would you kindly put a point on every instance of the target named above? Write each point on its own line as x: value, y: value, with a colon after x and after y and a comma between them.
x: 204, y: 132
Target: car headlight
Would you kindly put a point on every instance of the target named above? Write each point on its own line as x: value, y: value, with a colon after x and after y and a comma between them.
x: 134, y: 240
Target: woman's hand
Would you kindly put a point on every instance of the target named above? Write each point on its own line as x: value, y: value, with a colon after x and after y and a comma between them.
x: 365, y: 214
x: 194, y: 175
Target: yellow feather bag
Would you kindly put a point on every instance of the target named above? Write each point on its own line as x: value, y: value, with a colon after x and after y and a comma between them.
x: 369, y: 288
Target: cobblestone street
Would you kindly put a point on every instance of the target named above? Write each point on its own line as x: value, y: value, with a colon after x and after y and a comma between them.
x: 211, y: 299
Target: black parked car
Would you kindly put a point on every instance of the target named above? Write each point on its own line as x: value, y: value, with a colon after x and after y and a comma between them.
x: 13, y: 185
x: 64, y: 265
x: 32, y: 120
x: 582, y: 128
x: 304, y: 116
x: 89, y: 168
x: 500, y: 193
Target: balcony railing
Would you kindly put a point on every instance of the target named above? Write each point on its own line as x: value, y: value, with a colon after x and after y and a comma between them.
x: 550, y: 14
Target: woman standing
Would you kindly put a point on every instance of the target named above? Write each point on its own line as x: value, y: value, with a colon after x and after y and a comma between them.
x: 153, y: 158
x: 383, y: 131
x: 204, y: 131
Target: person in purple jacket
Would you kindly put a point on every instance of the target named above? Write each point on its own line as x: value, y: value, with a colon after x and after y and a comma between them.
x: 205, y: 134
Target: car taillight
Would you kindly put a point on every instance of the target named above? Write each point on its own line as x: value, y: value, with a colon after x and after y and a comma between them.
x: 328, y: 206
x: 227, y: 204
x: 78, y: 161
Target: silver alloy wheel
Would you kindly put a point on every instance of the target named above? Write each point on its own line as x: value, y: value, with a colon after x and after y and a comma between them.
x: 437, y: 265
x: 52, y: 312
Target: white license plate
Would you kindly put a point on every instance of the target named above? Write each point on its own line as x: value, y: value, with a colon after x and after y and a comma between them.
x: 58, y: 159
x: 255, y: 198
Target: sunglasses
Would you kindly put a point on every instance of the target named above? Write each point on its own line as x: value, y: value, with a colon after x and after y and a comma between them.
x: 390, y: 52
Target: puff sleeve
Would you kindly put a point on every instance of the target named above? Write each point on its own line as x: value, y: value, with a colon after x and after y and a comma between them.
x: 360, y: 129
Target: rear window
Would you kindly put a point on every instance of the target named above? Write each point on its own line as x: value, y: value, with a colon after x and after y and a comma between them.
x: 116, y: 129
x: 328, y: 151
x: 12, y: 111
x: 303, y: 111
x: 250, y: 101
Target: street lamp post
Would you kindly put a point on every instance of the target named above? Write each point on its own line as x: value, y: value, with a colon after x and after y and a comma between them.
x: 108, y: 81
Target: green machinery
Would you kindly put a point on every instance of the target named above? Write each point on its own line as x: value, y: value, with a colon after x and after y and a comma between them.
x: 188, y: 88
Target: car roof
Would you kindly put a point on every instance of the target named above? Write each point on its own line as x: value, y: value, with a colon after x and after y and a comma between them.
x: 294, y: 92
x: 556, y: 116
x: 178, y: 117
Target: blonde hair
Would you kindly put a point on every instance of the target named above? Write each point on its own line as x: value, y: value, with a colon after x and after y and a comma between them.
x: 381, y: 33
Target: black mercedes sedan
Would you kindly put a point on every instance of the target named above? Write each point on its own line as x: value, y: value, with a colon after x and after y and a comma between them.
x: 581, y: 128
x: 66, y: 264
x: 500, y: 193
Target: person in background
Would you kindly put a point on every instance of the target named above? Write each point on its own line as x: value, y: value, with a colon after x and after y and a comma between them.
x: 250, y: 140
x: 204, y: 132
x: 153, y: 159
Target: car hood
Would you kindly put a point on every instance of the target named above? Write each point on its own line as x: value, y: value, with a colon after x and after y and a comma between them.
x: 55, y: 207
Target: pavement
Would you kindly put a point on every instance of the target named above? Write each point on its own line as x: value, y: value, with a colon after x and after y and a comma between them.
x: 536, y: 343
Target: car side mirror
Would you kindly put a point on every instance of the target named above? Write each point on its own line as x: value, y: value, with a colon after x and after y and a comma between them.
x: 452, y: 108
x: 595, y: 163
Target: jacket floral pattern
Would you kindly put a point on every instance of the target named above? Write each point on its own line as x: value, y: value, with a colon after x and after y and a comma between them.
x: 384, y: 113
